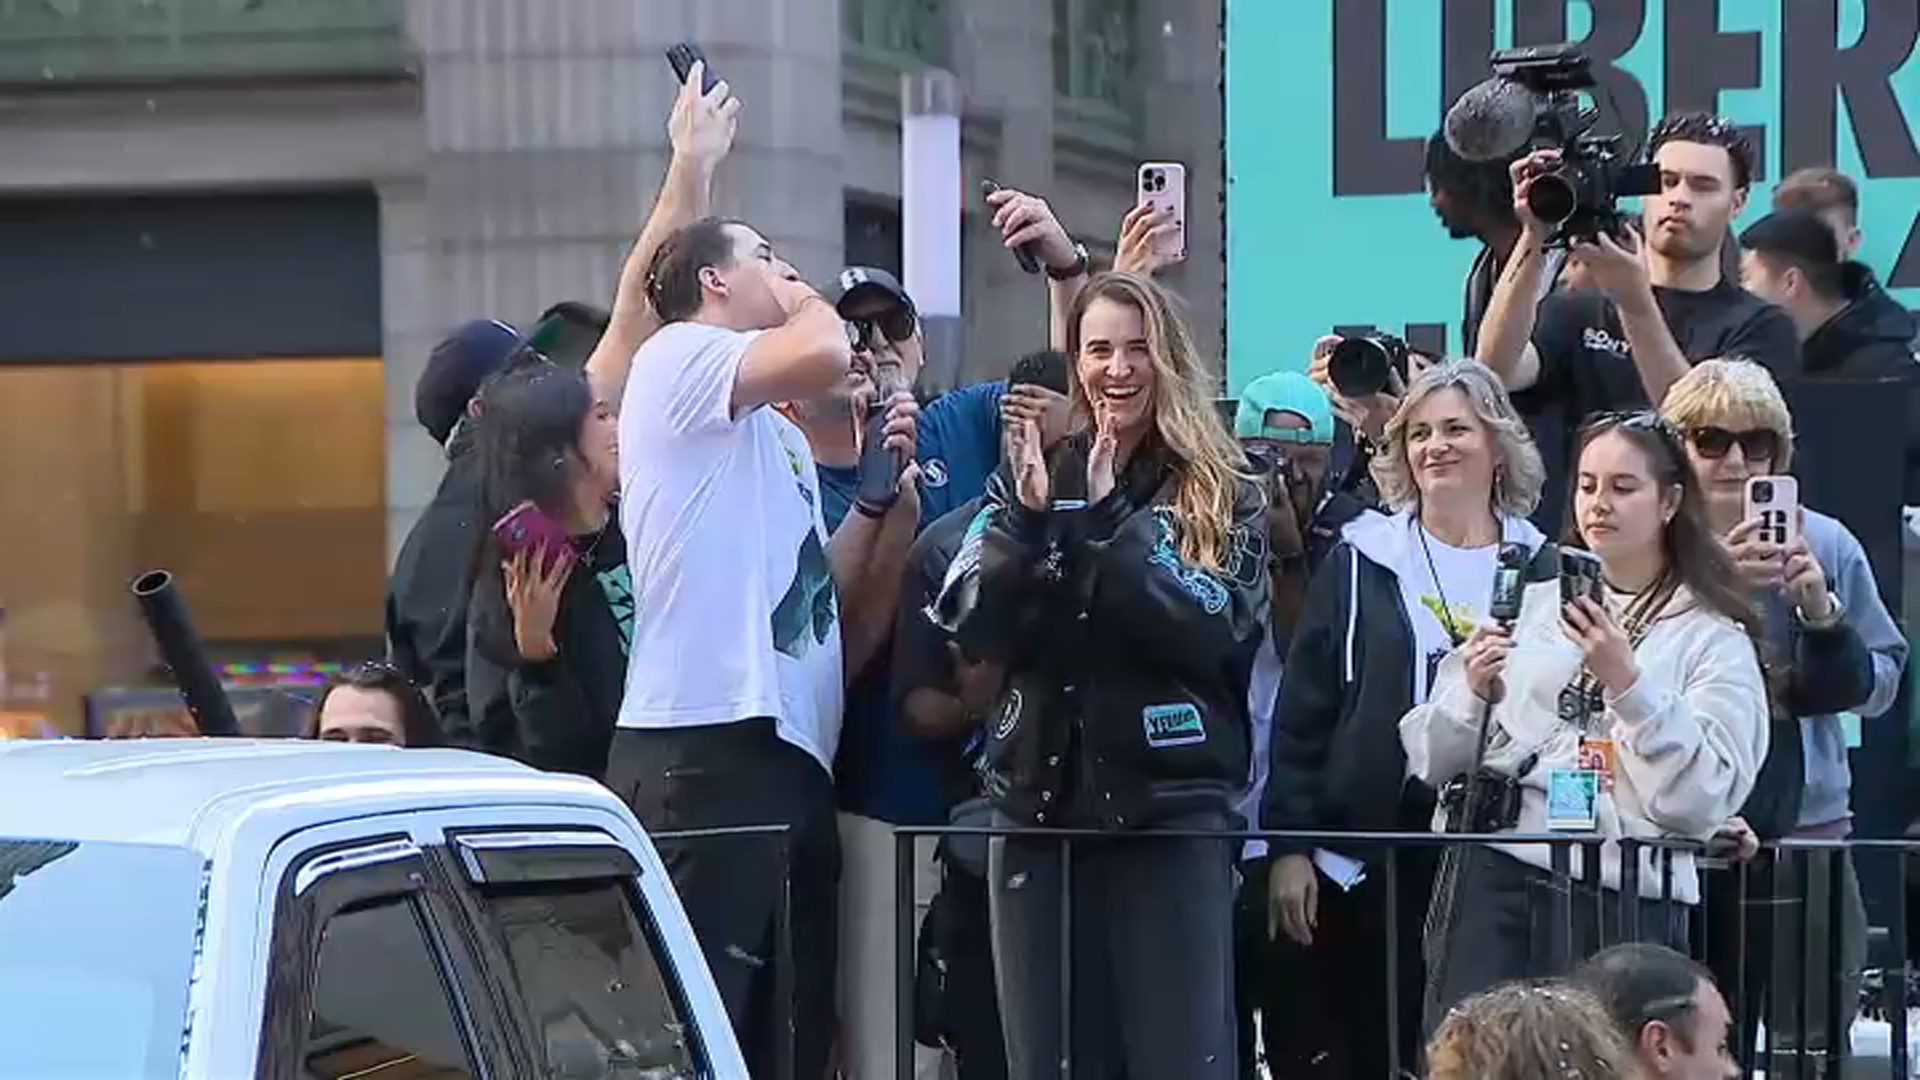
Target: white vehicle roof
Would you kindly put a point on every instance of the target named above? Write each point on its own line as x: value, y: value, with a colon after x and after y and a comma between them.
x: 183, y: 792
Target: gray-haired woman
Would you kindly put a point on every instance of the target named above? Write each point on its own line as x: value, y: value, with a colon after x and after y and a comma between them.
x: 1401, y: 590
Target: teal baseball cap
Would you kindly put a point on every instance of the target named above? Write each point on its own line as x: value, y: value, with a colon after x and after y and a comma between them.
x: 1289, y: 392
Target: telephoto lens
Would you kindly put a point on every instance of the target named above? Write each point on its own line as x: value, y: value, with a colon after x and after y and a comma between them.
x: 1360, y: 366
x: 1552, y: 198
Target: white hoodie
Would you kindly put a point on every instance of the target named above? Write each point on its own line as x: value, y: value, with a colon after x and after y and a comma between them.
x: 1689, y: 735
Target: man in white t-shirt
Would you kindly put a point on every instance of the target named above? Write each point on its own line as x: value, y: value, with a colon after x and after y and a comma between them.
x: 735, y: 680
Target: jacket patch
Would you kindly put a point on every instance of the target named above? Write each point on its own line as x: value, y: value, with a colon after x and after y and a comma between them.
x: 1205, y: 589
x: 1172, y: 725
x: 1009, y: 717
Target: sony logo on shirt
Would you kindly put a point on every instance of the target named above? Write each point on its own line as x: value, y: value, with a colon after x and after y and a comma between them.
x: 1597, y: 339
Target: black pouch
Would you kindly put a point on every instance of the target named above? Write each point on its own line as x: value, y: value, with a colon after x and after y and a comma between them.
x: 1487, y: 802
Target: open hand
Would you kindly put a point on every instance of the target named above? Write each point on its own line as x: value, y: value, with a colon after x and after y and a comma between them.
x: 1023, y: 219
x: 535, y: 580
x: 1106, y: 448
x: 1050, y: 410
x: 701, y: 126
x: 1030, y: 480
x: 1608, y: 653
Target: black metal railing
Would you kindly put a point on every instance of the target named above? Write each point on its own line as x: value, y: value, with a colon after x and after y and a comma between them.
x: 1775, y: 1017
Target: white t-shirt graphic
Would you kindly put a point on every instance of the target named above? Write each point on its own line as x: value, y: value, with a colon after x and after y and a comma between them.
x: 735, y: 610
x: 1465, y: 580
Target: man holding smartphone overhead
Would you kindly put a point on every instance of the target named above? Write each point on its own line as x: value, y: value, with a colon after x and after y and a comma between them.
x: 736, y: 678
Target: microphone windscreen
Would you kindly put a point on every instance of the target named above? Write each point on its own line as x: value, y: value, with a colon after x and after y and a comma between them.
x: 1491, y: 121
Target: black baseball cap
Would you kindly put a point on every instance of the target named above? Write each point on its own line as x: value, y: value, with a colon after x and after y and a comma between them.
x: 456, y: 368
x: 868, y: 292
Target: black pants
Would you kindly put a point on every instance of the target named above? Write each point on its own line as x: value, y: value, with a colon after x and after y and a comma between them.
x: 1324, y: 1007
x: 741, y: 774
x: 958, y: 1007
x: 1151, y: 955
x: 1502, y: 927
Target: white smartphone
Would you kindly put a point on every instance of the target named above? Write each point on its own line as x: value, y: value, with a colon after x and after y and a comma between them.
x: 1163, y: 185
x: 1774, y: 501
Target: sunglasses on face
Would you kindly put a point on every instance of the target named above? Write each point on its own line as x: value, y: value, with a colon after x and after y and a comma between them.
x: 893, y: 326
x: 1715, y: 443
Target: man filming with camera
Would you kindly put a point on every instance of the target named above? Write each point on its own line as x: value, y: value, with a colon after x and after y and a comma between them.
x: 1652, y: 313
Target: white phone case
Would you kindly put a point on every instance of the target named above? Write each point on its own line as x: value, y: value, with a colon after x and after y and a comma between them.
x: 1163, y: 184
x: 1774, y: 501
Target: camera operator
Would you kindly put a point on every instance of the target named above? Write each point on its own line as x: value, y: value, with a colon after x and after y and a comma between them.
x: 1657, y: 310
x: 1474, y: 200
x: 1849, y: 327
x: 1460, y: 473
x: 1652, y: 724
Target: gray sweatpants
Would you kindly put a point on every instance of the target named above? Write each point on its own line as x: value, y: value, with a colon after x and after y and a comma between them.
x: 1152, y: 955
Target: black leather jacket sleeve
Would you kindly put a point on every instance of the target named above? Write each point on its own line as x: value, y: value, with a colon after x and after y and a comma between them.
x: 1019, y: 574
x: 1195, y: 620
x: 1312, y: 698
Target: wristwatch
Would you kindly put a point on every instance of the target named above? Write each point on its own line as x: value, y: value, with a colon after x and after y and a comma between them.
x: 1077, y: 268
x: 1833, y: 617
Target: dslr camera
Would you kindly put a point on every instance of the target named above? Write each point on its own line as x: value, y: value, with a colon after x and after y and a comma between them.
x: 1580, y: 199
x: 1361, y: 365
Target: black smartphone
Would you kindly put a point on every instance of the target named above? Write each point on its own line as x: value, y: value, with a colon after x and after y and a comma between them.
x: 1580, y: 575
x: 683, y: 56
x: 879, y: 480
x: 1029, y: 261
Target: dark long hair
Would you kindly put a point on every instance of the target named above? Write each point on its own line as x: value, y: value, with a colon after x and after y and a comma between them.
x: 529, y: 437
x: 418, y: 725
x: 1694, y: 554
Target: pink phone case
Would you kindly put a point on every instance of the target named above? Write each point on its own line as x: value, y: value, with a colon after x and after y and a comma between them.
x: 525, y: 528
x: 1774, y: 501
x: 1163, y: 185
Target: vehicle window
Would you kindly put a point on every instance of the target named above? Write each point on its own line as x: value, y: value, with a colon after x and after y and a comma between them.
x: 592, y: 982
x: 93, y: 983
x: 381, y: 1005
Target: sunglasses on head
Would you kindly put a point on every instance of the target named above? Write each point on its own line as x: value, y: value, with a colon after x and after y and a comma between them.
x: 1714, y: 443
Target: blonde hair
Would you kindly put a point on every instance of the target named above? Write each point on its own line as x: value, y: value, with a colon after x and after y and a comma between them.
x: 1530, y: 1031
x: 1733, y: 393
x: 1208, y: 462
x: 1518, y: 473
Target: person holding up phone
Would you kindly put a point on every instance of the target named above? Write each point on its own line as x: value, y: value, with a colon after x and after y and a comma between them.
x: 1640, y: 712
x: 552, y: 611
x: 1122, y: 583
x: 1837, y: 650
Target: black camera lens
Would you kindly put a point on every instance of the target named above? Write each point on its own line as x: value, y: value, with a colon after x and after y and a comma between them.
x: 1763, y: 491
x: 1552, y: 198
x: 1359, y: 366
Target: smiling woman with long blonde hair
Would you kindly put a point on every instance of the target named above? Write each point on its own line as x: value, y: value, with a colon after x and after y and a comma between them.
x: 1123, y: 591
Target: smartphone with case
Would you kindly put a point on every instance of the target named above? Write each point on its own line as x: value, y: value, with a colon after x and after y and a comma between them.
x: 1580, y: 575
x: 683, y: 56
x: 1774, y: 501
x: 526, y: 528
x: 1162, y: 185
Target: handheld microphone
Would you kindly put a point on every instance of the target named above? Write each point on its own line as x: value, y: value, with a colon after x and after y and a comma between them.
x: 1492, y: 120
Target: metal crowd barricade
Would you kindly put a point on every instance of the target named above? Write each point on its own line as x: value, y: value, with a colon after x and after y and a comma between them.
x: 1755, y: 1001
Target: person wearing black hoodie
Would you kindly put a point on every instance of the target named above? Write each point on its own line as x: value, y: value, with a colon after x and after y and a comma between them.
x: 1400, y: 590
x: 426, y: 611
x: 1849, y: 327
x: 548, y: 630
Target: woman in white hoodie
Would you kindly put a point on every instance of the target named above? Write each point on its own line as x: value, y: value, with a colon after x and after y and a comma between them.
x: 1644, y: 715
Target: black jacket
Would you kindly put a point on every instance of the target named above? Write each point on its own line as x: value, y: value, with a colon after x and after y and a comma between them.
x: 1126, y: 698
x: 1337, y: 762
x: 427, y: 595
x: 556, y: 714
x: 1872, y: 337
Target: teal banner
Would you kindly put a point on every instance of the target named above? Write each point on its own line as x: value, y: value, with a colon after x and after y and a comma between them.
x: 1329, y: 104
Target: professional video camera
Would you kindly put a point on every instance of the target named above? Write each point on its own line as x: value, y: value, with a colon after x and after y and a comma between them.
x: 1533, y: 103
x: 1361, y: 365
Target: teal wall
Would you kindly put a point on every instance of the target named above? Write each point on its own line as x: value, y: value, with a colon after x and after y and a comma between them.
x: 1301, y: 259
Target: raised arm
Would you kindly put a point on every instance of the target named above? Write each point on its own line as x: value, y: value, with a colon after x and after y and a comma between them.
x: 1028, y: 219
x: 701, y: 129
